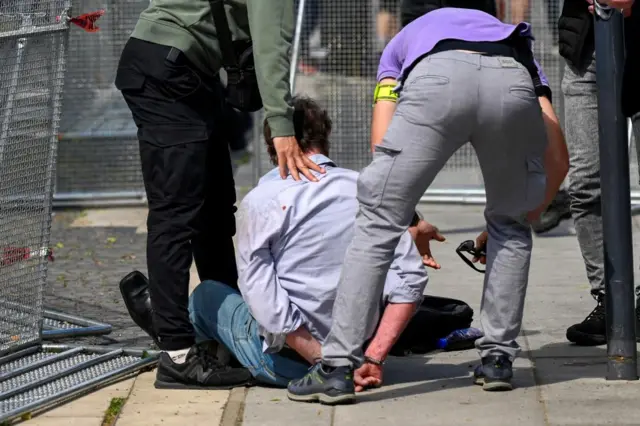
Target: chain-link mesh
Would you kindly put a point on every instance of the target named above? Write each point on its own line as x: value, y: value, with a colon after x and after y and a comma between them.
x: 98, y: 153
x: 338, y: 62
x: 32, y: 49
x: 341, y: 43
x: 341, y: 46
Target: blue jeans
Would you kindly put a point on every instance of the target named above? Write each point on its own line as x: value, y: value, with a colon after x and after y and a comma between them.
x: 219, y: 313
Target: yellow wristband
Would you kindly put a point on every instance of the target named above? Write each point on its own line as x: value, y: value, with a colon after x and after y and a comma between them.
x: 384, y: 92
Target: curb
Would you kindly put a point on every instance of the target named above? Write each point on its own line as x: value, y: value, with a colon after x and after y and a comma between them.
x: 234, y: 408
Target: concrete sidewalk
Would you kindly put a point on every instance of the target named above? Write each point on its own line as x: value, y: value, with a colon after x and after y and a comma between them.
x: 556, y: 384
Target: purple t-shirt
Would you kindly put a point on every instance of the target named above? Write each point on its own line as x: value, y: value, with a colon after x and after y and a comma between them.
x: 420, y: 37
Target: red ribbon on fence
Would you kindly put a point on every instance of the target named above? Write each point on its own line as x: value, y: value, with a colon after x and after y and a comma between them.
x: 87, y: 21
x: 11, y: 255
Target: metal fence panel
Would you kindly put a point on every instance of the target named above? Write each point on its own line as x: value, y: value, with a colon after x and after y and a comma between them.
x: 341, y: 42
x: 32, y: 52
x: 43, y: 376
x: 98, y: 153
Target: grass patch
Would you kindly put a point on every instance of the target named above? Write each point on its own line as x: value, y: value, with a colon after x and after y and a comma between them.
x: 114, y: 410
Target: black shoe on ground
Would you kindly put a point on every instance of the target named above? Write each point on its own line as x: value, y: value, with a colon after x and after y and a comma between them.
x: 593, y: 330
x: 494, y: 374
x: 327, y: 385
x: 558, y: 210
x: 201, y: 370
x: 134, y: 289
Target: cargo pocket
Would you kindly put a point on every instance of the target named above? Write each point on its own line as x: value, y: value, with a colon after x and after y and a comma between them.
x: 373, y: 179
x: 536, y: 182
x: 129, y: 80
x: 174, y: 161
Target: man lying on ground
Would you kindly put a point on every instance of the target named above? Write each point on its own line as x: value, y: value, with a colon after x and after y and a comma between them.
x: 292, y: 237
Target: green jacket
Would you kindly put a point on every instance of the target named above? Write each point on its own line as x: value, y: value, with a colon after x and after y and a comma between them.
x: 188, y: 26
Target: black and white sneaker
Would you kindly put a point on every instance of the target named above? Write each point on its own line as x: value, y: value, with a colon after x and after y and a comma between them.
x: 200, y: 370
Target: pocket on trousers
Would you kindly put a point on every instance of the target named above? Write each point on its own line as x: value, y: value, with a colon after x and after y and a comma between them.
x: 430, y: 80
x: 128, y: 80
x: 174, y: 161
x: 373, y: 179
x: 179, y: 81
x: 167, y: 135
x: 523, y: 92
x: 426, y: 100
x: 536, y: 182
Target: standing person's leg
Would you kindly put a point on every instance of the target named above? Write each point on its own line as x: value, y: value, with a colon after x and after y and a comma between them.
x: 176, y: 116
x: 581, y: 127
x: 213, y: 249
x: 219, y: 313
x: 433, y: 119
x: 510, y: 141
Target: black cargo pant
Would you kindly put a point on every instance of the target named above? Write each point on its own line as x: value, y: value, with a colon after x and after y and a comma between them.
x: 187, y: 176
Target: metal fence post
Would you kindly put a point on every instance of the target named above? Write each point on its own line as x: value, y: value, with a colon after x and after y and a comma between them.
x: 295, y: 49
x: 616, y: 200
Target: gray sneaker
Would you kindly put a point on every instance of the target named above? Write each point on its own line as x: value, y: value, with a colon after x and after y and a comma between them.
x: 324, y: 384
x: 494, y: 374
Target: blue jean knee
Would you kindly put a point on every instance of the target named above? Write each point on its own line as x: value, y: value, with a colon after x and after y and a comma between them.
x: 219, y: 313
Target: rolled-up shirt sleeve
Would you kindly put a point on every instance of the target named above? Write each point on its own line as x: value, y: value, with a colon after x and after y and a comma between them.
x: 259, y: 226
x: 407, y: 277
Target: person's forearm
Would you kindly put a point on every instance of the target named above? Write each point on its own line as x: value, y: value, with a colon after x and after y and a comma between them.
x: 305, y: 344
x: 556, y: 157
x: 271, y: 23
x: 394, y: 321
x: 382, y: 114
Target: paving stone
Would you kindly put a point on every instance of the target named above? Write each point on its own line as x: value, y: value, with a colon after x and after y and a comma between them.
x: 149, y: 406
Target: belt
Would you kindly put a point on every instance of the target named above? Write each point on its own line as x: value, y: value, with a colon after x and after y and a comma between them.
x: 513, y: 47
x: 494, y: 48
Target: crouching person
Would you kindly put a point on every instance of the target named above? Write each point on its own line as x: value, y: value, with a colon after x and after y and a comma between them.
x: 292, y: 239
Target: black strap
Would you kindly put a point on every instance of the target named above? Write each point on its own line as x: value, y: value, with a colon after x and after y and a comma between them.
x: 516, y: 47
x: 229, y: 58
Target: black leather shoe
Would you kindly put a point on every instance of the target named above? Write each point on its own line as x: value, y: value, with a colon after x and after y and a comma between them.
x: 135, y: 293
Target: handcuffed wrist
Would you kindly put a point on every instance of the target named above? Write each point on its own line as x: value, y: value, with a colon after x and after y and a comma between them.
x: 374, y: 361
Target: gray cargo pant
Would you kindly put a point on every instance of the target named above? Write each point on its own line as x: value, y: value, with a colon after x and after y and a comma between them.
x: 449, y: 98
x: 581, y: 127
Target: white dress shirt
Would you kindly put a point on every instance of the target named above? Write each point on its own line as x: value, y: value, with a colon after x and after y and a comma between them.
x: 292, y: 238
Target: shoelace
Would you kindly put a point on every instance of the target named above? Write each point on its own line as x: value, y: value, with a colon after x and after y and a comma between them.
x: 598, y: 313
x: 209, y: 361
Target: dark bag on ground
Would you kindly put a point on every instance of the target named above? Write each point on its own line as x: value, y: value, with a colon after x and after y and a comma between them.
x: 435, y: 319
x: 242, y: 90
